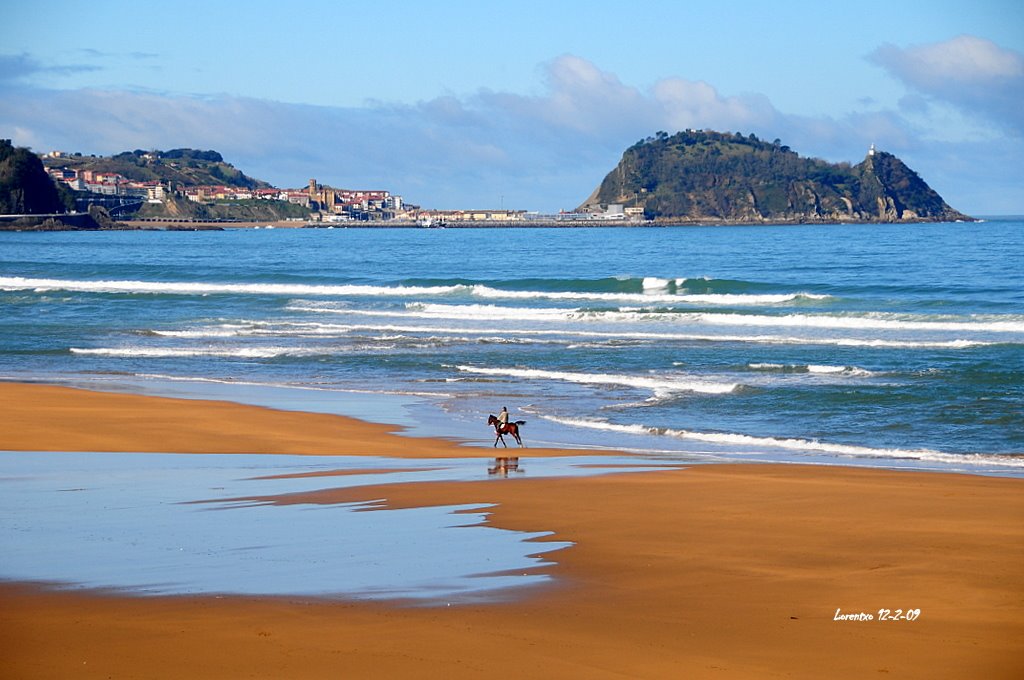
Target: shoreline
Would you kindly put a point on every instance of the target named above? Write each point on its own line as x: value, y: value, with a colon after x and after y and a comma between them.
x: 75, y: 222
x: 416, y: 417
x: 47, y: 417
x: 715, y: 570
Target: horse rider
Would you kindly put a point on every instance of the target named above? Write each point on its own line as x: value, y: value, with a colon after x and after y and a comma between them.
x: 503, y: 418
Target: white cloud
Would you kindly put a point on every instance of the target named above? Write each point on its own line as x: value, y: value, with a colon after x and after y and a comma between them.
x: 545, y: 151
x: 580, y: 100
x: 964, y: 59
x: 695, y: 104
x: 973, y: 74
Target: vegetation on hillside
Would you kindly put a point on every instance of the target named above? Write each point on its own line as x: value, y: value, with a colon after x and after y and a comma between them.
x: 25, y: 188
x: 184, y: 167
x: 732, y: 177
x: 176, y: 170
x: 245, y: 211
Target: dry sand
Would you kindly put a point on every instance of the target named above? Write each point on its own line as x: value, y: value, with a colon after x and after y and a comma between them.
x: 718, y: 571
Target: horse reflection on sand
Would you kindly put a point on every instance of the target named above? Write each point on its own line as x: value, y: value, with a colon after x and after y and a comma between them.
x: 504, y: 465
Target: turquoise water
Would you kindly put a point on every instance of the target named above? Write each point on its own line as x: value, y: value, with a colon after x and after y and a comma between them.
x: 889, y: 345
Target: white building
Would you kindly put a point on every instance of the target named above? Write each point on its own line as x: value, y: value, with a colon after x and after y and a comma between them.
x: 614, y: 211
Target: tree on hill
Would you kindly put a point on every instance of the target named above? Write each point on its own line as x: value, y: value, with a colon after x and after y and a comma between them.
x: 25, y: 188
x: 211, y: 156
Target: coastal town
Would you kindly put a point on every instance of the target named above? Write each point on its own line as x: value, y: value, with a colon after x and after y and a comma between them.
x: 320, y: 203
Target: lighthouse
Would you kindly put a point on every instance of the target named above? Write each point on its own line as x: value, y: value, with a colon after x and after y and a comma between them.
x: 871, y: 151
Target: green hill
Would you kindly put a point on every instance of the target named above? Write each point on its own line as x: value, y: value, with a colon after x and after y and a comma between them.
x: 714, y: 176
x: 185, y: 167
x: 244, y: 211
x: 177, y: 170
x: 25, y: 188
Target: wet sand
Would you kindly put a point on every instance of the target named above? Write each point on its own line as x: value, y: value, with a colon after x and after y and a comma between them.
x: 717, y: 571
x: 53, y: 418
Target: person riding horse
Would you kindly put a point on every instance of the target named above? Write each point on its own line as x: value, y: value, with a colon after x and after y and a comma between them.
x: 502, y: 426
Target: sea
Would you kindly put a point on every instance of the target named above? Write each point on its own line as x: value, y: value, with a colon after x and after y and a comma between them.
x: 892, y: 345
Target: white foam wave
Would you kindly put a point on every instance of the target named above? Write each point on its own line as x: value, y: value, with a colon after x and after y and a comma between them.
x: 627, y: 334
x: 175, y: 352
x: 654, y: 283
x: 794, y: 444
x: 257, y: 328
x: 221, y: 332
x: 870, y: 322
x: 839, y: 370
x: 850, y: 371
x: 660, y: 385
x: 419, y: 310
x: 481, y: 312
x: 903, y: 344
x: 523, y: 335
x: 827, y: 369
x: 377, y: 333
x: 214, y: 288
x: 646, y: 298
x: 310, y: 388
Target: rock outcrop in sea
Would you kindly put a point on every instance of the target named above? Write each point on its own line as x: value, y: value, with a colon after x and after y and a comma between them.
x: 705, y: 176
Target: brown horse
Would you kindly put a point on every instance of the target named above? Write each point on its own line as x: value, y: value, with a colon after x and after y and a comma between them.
x: 499, y: 430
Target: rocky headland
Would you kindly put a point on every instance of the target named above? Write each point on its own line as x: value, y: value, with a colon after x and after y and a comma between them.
x: 705, y: 176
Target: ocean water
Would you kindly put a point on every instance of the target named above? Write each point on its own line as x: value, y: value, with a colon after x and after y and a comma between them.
x: 887, y: 345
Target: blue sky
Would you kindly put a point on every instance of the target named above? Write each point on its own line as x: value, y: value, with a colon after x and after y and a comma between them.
x: 521, y: 104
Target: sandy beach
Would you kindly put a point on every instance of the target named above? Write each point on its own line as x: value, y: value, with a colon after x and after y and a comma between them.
x: 714, y: 571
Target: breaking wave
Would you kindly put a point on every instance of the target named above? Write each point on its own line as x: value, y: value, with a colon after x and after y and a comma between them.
x: 795, y: 444
x: 507, y: 334
x: 648, y: 295
x: 868, y: 322
x: 214, y: 288
x: 851, y: 371
x: 627, y: 334
x: 175, y: 352
x: 472, y: 289
x: 659, y: 385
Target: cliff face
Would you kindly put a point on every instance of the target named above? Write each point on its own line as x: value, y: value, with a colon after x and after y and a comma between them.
x: 727, y: 177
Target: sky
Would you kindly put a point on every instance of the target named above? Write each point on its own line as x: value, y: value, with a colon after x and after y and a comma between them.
x: 525, y: 104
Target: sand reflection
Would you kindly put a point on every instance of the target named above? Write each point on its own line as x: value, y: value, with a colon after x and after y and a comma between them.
x: 504, y: 465
x: 169, y: 524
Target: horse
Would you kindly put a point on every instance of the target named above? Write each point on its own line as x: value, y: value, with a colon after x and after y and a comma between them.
x: 499, y: 430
